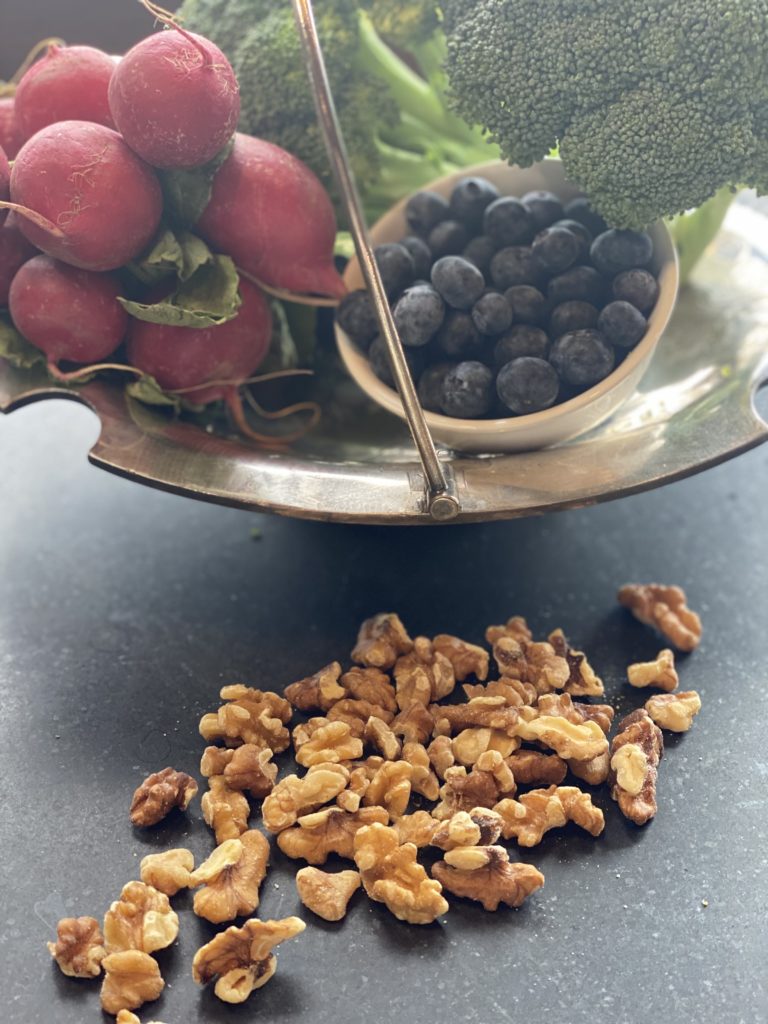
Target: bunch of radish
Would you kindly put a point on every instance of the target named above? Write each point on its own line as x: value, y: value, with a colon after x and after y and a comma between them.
x: 91, y: 137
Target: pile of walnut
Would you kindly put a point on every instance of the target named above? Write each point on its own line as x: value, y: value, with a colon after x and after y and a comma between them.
x: 377, y: 737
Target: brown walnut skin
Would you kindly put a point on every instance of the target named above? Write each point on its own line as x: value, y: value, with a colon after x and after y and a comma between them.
x: 79, y: 947
x: 159, y: 794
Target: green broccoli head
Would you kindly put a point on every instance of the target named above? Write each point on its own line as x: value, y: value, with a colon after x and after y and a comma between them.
x: 654, y: 106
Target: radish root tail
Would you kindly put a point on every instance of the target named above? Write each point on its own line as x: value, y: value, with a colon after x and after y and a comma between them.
x: 322, y: 301
x: 35, y: 218
x: 73, y: 376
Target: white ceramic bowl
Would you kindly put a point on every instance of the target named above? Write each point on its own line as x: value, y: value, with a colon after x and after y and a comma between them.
x: 560, y: 422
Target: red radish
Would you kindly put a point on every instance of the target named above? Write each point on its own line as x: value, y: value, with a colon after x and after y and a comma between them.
x: 68, y: 84
x: 271, y: 214
x: 5, y: 183
x: 14, y: 251
x: 84, y: 197
x: 181, y: 358
x: 69, y: 313
x: 10, y: 137
x: 175, y: 99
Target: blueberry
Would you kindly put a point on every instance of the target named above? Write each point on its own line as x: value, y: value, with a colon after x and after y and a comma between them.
x: 573, y: 315
x: 583, y: 283
x: 513, y: 265
x: 420, y: 253
x: 449, y: 238
x: 468, y: 390
x: 424, y: 210
x: 458, y: 337
x: 430, y: 387
x: 492, y: 314
x: 396, y: 267
x: 377, y: 354
x: 522, y: 340
x: 579, y: 209
x: 459, y: 282
x: 480, y: 251
x: 357, y: 318
x: 638, y: 287
x: 555, y: 249
x: 622, y: 324
x: 469, y: 200
x: 528, y: 385
x: 419, y: 314
x: 508, y: 222
x: 583, y: 234
x: 544, y: 207
x: 582, y: 358
x: 528, y: 304
x: 616, y: 250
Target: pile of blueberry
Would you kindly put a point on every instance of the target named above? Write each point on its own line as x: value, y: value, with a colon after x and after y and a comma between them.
x: 506, y: 306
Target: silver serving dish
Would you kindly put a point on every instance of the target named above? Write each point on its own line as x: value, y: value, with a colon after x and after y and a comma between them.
x: 695, y: 408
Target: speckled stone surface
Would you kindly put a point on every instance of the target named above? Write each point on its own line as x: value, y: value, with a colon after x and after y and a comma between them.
x: 122, y: 612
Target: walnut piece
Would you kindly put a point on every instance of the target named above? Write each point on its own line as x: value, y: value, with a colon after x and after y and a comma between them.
x: 423, y: 779
x: 478, y: 827
x: 471, y: 743
x: 515, y: 692
x: 467, y: 659
x: 317, y: 835
x: 248, y: 768
x: 392, y: 876
x: 159, y: 794
x: 489, y: 780
x: 661, y: 672
x: 674, y: 711
x: 484, y: 874
x: 131, y: 978
x: 318, y: 692
x: 372, y: 685
x: 479, y: 713
x: 515, y: 627
x: 534, y: 663
x: 594, y: 771
x: 231, y: 878
x: 126, y: 1017
x: 540, y: 810
x: 225, y: 809
x: 142, y: 919
x: 440, y: 752
x: 168, y: 872
x: 318, y: 741
x: 560, y: 705
x: 380, y: 736
x: 567, y: 739
x: 294, y: 796
x: 390, y: 788
x: 326, y: 894
x: 414, y: 725
x: 79, y: 947
x: 380, y: 641
x: 583, y: 680
x: 356, y: 714
x: 249, y: 716
x: 241, y: 959
x: 665, y: 609
x: 417, y: 828
x: 636, y: 750
x: 532, y: 767
x: 422, y: 676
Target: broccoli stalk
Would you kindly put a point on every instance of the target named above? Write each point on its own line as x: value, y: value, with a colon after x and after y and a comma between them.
x: 692, y: 232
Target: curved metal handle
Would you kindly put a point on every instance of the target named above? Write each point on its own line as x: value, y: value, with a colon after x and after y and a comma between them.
x: 441, y: 499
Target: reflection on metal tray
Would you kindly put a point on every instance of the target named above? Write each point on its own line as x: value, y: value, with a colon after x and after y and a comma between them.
x: 694, y: 408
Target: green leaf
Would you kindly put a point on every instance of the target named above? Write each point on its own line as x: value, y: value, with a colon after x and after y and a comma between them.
x: 187, y: 193
x: 282, y: 353
x: 180, y: 254
x: 147, y: 390
x: 208, y: 298
x: 17, y: 350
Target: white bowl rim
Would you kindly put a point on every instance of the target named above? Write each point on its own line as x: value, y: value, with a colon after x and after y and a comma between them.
x: 388, y: 397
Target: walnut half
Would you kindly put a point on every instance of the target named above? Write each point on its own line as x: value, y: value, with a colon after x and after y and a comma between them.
x: 485, y: 874
x: 159, y: 794
x: 674, y: 711
x: 142, y: 919
x: 131, y: 978
x: 665, y: 609
x: 168, y: 872
x: 636, y: 750
x: 231, y: 878
x: 79, y: 947
x: 327, y: 894
x: 661, y: 672
x: 241, y: 959
x: 540, y: 810
x: 392, y: 876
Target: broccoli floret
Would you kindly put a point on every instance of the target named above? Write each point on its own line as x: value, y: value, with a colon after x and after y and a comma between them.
x: 654, y: 106
x: 398, y: 130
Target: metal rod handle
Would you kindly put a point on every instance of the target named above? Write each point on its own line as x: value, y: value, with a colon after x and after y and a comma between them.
x: 441, y: 499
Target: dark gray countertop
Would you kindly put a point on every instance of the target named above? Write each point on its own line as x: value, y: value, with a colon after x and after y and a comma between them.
x: 122, y: 612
